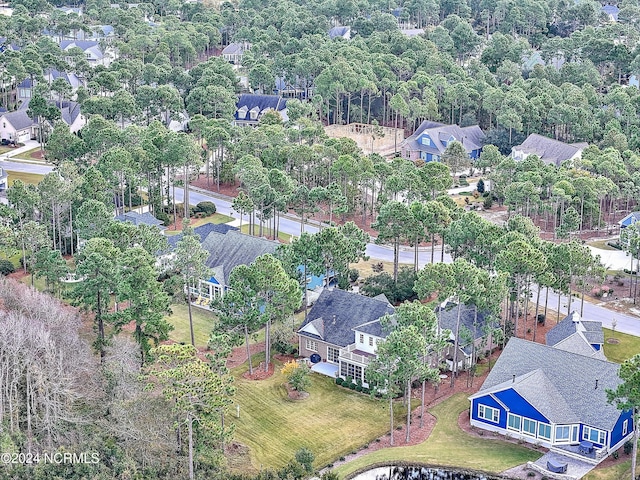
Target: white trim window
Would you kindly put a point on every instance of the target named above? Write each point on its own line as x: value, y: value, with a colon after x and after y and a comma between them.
x: 563, y: 433
x: 488, y: 413
x: 333, y: 355
x: 361, y: 338
x: 514, y: 422
x: 371, y: 341
x: 529, y: 427
x: 594, y: 435
x: 625, y: 427
x: 544, y: 431
x: 311, y: 345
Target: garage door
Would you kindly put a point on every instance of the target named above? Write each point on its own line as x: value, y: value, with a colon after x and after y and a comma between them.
x: 23, y: 136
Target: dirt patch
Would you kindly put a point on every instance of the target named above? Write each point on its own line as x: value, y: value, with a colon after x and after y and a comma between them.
x: 295, y: 394
x: 613, y: 341
x: 260, y: 373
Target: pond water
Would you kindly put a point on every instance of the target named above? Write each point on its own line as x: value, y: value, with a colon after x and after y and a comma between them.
x: 419, y: 473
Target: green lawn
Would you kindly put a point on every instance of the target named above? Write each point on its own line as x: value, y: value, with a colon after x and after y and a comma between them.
x: 332, y: 422
x: 266, y: 232
x: 32, y: 178
x: 601, y: 244
x: 202, y: 324
x: 449, y: 445
x: 33, y: 154
x: 616, y: 472
x: 628, y: 346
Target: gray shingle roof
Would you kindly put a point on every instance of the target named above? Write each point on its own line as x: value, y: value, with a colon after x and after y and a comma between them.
x: 19, y: 119
x: 470, y: 137
x: 590, y: 331
x: 139, y: 219
x: 351, y: 310
x: 630, y: 219
x: 228, y: 250
x: 202, y: 231
x: 564, y: 386
x: 448, y: 317
x: 550, y: 151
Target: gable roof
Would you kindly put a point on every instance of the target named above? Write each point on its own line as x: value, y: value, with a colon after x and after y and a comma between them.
x: 630, y: 219
x: 230, y: 249
x: 611, y: 11
x: 337, y: 313
x: 471, y: 137
x: 340, y: 31
x: 202, y: 231
x: 447, y: 316
x: 19, y: 119
x: 139, y: 219
x: 85, y: 45
x: 575, y: 335
x: 550, y: 151
x: 234, y: 49
x: 262, y: 103
x: 564, y: 386
x: 69, y: 111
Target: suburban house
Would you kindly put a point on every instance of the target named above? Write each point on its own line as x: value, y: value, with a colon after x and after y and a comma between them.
x: 550, y: 151
x: 71, y: 115
x: 140, y: 219
x: 234, y: 52
x: 92, y: 50
x: 4, y: 179
x: 610, y: 12
x: 17, y: 127
x: 430, y: 140
x: 578, y: 336
x: 165, y: 258
x: 475, y: 333
x: 629, y: 220
x: 227, y: 251
x: 340, y: 32
x: 554, y: 398
x: 341, y: 332
x: 251, y: 107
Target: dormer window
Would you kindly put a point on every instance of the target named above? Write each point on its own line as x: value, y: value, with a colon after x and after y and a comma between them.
x: 254, y: 113
x: 242, y: 112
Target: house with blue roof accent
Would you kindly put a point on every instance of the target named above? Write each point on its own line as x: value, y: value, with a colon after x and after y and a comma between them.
x: 431, y: 139
x: 555, y: 398
x: 629, y: 220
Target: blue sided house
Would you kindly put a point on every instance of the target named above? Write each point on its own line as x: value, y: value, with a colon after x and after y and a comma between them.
x: 554, y: 398
x: 629, y: 220
x: 431, y: 139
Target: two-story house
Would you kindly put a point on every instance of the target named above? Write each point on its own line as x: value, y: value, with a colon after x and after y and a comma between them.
x: 342, y: 332
x: 431, y: 139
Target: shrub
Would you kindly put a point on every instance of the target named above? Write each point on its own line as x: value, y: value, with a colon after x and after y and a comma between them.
x: 352, y: 386
x: 628, y: 447
x: 354, y: 274
x: 348, y: 380
x: 6, y: 267
x: 541, y: 318
x: 366, y: 390
x: 339, y: 381
x: 615, y: 455
x: 480, y: 186
x: 488, y: 202
x: 164, y: 218
x: 208, y: 208
x: 297, y: 375
x: 358, y: 388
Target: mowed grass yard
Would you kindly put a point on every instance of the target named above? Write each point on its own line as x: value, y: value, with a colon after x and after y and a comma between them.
x: 32, y: 178
x: 203, y: 322
x: 450, y: 446
x: 332, y: 422
x: 627, y: 346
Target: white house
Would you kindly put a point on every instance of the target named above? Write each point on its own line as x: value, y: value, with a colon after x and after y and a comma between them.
x: 16, y: 127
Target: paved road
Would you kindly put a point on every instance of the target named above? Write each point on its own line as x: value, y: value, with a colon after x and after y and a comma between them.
x: 625, y: 323
x: 25, y: 167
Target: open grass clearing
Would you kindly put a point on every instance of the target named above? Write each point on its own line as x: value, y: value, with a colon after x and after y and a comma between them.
x: 449, y: 445
x: 615, y: 472
x: 626, y: 347
x: 365, y: 267
x: 32, y: 178
x: 601, y: 244
x: 203, y: 321
x: 216, y: 218
x: 332, y: 422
